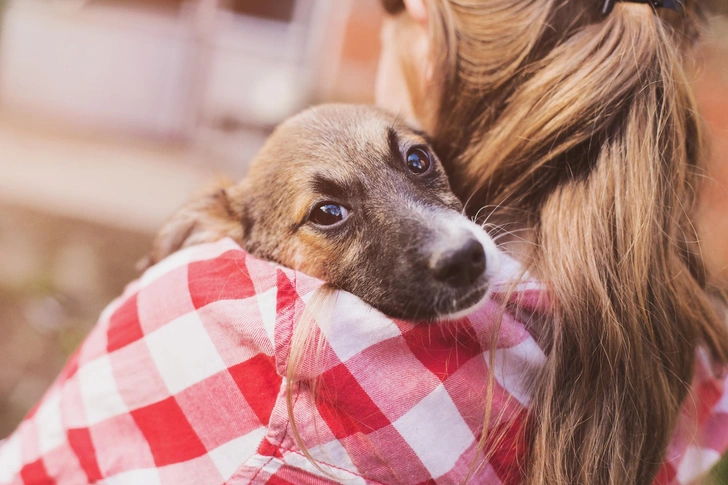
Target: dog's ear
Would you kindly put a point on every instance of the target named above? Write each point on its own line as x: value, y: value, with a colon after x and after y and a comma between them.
x: 214, y: 215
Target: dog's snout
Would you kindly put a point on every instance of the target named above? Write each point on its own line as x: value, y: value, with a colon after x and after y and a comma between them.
x: 461, y: 265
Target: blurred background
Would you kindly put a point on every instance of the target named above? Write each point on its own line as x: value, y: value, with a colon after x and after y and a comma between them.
x: 113, y: 112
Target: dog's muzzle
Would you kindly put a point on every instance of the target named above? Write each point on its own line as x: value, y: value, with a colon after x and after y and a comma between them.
x: 461, y: 264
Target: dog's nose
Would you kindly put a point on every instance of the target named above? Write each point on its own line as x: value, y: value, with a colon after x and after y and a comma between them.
x: 462, y: 265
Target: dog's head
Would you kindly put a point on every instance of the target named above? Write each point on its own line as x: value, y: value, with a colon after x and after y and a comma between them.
x: 355, y: 198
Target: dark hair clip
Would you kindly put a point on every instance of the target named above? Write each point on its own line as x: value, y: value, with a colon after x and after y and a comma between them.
x: 671, y: 4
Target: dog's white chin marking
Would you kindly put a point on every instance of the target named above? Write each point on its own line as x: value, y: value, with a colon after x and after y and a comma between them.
x: 466, y: 311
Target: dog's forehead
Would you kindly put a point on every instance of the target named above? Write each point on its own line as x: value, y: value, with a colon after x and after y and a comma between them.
x: 360, y: 131
x: 355, y: 127
x: 344, y: 141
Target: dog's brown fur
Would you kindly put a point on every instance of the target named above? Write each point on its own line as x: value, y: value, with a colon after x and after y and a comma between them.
x: 400, y: 224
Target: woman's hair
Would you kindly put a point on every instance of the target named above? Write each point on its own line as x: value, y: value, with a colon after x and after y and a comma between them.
x: 583, y: 129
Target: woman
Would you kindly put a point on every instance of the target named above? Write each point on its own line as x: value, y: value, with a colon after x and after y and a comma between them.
x: 581, y: 127
x: 572, y: 132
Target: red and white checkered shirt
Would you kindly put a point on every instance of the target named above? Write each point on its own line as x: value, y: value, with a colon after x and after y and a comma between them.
x: 182, y: 382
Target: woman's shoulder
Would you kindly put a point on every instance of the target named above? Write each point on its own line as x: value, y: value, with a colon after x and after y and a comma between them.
x: 214, y: 308
x: 180, y: 371
x: 216, y: 299
x: 190, y: 360
x: 200, y: 290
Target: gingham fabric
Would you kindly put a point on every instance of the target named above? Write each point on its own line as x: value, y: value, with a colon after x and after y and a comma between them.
x: 183, y: 382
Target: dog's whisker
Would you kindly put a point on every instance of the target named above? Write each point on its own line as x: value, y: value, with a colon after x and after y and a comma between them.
x: 465, y: 205
x: 519, y: 239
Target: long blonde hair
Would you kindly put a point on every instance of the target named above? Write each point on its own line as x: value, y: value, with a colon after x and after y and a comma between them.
x: 584, y: 129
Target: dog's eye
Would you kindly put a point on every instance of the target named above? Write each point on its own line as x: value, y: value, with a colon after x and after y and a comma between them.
x: 328, y: 214
x: 418, y: 160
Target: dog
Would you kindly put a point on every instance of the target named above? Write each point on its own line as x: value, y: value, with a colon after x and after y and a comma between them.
x: 349, y: 195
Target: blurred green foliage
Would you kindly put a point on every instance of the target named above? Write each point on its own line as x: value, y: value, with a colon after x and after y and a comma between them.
x: 719, y: 476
